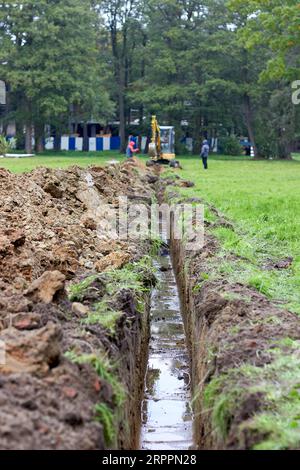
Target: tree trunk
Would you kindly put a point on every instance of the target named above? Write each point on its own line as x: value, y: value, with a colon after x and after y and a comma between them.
x: 85, y: 146
x: 28, y: 138
x: 57, y: 141
x: 20, y: 135
x: 122, y: 118
x: 249, y: 122
x: 197, y: 135
x: 285, y: 153
x: 120, y: 54
x: 39, y: 137
x: 284, y: 147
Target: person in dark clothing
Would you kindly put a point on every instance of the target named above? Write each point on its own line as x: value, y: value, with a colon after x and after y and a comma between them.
x: 205, y: 153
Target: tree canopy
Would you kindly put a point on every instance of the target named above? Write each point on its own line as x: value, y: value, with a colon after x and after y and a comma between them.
x: 212, y: 68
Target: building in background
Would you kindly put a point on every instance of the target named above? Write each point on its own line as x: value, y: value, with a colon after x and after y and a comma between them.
x: 99, y: 137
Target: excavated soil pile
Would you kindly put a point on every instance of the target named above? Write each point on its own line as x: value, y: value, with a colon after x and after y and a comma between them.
x: 51, y: 239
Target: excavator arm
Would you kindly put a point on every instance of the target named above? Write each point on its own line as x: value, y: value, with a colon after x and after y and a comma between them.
x: 155, y: 145
x: 161, y: 147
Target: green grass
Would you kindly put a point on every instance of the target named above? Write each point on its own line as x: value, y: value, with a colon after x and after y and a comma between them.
x: 261, y: 199
x: 104, y: 369
x: 137, y: 277
x: 76, y: 292
x: 59, y: 160
x: 277, y: 425
x: 104, y: 413
x: 104, y: 315
x: 106, y: 417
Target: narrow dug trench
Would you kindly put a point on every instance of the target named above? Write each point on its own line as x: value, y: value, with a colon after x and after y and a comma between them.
x: 244, y: 355
x: 167, y: 417
x: 74, y: 319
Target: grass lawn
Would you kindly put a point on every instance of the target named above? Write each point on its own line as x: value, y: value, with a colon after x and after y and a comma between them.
x: 59, y: 160
x: 261, y: 198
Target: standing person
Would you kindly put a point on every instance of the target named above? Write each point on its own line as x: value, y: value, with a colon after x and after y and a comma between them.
x: 204, y: 154
x: 131, y: 150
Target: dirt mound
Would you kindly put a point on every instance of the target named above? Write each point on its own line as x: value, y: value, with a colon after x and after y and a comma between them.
x: 55, y: 393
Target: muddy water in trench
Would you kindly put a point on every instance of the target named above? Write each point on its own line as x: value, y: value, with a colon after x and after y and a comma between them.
x: 167, y: 417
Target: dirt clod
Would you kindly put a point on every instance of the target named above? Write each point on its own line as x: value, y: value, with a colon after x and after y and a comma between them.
x: 31, y: 351
x: 45, y: 287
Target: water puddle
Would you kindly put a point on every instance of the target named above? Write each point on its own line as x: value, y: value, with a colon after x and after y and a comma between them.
x: 166, y: 412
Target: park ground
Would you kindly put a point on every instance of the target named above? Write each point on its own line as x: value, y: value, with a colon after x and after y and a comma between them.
x: 261, y: 200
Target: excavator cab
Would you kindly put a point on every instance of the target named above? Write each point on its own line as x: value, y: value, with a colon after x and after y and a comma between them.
x: 162, y: 145
x: 167, y: 139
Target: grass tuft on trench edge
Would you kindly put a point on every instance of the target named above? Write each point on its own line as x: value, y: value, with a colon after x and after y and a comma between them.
x: 103, y: 412
x: 138, y: 277
x: 277, y: 427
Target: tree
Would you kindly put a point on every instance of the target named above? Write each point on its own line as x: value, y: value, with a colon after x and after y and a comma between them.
x: 207, y: 69
x: 124, y: 20
x: 275, y: 24
x: 190, y: 67
x: 49, y: 59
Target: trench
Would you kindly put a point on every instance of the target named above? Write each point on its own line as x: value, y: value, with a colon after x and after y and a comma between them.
x: 166, y: 412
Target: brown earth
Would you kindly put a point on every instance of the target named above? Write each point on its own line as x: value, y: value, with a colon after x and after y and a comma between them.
x: 52, y: 235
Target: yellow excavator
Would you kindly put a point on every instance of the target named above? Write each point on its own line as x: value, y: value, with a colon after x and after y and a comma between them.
x: 161, y: 148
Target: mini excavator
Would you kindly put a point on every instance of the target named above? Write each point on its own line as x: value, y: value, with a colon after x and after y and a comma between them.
x: 161, y: 148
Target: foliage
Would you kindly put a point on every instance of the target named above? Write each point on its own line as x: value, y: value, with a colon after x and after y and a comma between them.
x: 105, y: 416
x: 105, y: 371
x: 137, y: 276
x: 4, y: 145
x: 51, y: 62
x: 230, y: 146
x: 77, y: 291
x: 123, y: 37
x: 276, y: 24
x: 103, y: 413
x: 273, y: 26
x: 211, y: 68
x: 156, y: 244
